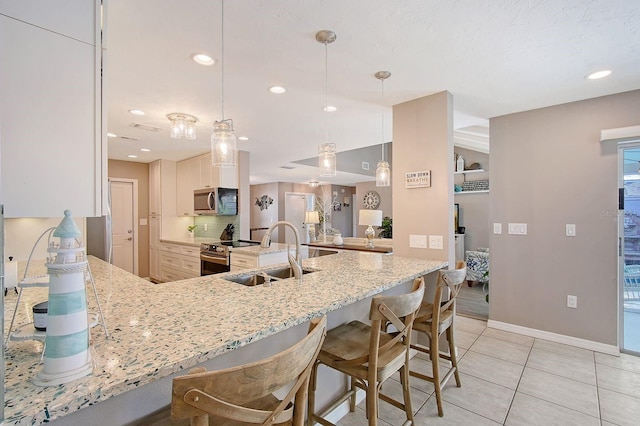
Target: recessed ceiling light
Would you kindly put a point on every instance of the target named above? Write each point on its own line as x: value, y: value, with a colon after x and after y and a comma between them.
x: 243, y: 138
x: 277, y: 89
x: 203, y: 59
x: 136, y: 112
x: 330, y: 108
x: 111, y: 135
x: 598, y: 74
x: 132, y: 156
x: 145, y: 150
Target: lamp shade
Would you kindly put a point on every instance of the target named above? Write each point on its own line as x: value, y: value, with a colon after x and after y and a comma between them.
x: 311, y: 217
x: 370, y: 217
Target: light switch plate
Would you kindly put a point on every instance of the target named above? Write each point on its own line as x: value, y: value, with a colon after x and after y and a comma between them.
x: 572, y: 301
x: 518, y: 228
x: 497, y: 228
x: 436, y: 242
x: 418, y: 241
x: 571, y: 230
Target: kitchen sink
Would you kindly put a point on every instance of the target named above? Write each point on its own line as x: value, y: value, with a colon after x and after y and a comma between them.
x: 317, y: 252
x: 258, y: 278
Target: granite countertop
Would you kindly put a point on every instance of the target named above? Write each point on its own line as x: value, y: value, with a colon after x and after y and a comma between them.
x: 358, y: 247
x: 257, y: 250
x: 187, y: 241
x: 156, y: 329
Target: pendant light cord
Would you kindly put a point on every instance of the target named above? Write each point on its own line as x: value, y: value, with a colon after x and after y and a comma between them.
x: 222, y: 53
x: 382, y: 99
x: 326, y: 91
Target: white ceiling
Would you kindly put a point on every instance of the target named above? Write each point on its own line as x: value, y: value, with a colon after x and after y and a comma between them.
x: 495, y: 57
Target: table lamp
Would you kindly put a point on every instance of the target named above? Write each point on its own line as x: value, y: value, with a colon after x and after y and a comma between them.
x: 371, y: 218
x: 311, y: 218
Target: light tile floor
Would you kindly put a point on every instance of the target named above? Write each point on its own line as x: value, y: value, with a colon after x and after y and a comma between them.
x: 511, y: 379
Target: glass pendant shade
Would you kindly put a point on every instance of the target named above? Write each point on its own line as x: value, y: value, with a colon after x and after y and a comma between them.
x: 383, y: 174
x: 327, y: 159
x: 183, y: 126
x: 223, y: 144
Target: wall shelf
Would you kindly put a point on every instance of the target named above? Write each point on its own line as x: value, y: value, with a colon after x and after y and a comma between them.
x: 469, y: 171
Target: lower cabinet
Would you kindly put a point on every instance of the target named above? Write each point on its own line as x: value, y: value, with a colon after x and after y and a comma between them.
x: 178, y: 262
x: 241, y: 260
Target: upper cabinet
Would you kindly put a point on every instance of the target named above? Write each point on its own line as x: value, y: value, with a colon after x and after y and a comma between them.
x: 211, y: 177
x: 51, y: 109
x: 198, y: 173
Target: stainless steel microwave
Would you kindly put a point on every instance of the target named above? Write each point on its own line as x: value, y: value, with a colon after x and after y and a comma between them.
x: 216, y: 201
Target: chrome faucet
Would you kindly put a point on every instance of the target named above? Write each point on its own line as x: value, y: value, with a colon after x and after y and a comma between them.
x: 295, y: 263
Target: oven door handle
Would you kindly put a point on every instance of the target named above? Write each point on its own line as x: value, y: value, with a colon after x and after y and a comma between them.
x: 214, y: 259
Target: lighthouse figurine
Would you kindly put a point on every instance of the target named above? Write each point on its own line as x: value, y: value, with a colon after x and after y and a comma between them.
x: 66, y: 353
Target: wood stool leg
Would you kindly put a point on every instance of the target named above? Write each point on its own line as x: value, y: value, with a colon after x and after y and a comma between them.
x: 452, y: 353
x: 372, y: 404
x: 311, y: 403
x: 434, y: 353
x: 406, y: 393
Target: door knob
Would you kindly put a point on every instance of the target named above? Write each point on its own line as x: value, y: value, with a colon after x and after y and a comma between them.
x: 130, y: 231
x: 130, y: 238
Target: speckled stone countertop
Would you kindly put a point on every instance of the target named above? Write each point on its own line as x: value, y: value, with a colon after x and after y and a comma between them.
x: 156, y: 329
x: 195, y: 241
x: 273, y: 248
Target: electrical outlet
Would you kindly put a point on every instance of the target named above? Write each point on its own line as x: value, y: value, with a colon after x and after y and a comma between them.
x: 497, y: 228
x: 436, y: 242
x: 206, y: 227
x: 518, y: 228
x: 572, y: 301
x: 418, y: 241
x: 570, y: 230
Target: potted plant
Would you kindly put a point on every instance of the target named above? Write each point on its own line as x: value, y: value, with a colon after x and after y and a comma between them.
x: 191, y: 229
x: 387, y: 228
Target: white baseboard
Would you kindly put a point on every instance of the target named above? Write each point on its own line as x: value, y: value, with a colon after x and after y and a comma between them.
x: 554, y: 337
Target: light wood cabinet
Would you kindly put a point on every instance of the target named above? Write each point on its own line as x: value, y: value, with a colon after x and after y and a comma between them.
x: 154, y: 248
x: 198, y: 173
x: 51, y: 109
x: 184, y: 188
x: 178, y: 262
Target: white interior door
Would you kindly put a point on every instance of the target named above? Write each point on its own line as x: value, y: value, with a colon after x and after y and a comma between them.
x: 295, y: 205
x: 123, y: 236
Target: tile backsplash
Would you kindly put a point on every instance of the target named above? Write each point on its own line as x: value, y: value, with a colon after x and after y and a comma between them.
x: 215, y: 226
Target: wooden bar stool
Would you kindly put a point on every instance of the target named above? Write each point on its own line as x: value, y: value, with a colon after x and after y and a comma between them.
x: 434, y: 322
x: 369, y: 355
x: 244, y: 394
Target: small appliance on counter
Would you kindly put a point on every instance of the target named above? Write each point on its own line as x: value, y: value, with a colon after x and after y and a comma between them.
x: 227, y: 234
x: 40, y: 315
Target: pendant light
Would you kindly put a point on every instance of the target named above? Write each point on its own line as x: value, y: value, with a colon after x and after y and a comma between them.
x: 326, y: 151
x: 183, y: 126
x: 383, y: 172
x: 223, y: 140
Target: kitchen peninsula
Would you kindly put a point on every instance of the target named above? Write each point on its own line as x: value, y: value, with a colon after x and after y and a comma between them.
x: 158, y: 331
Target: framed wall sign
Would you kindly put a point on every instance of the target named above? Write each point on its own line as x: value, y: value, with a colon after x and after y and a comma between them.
x: 418, y: 179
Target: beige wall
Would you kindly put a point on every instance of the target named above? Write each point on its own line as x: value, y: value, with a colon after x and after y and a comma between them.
x: 140, y: 172
x: 267, y: 217
x: 549, y: 169
x: 423, y: 140
x: 474, y: 208
x: 386, y: 202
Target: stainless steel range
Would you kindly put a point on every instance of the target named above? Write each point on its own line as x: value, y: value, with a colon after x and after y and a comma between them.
x: 215, y: 257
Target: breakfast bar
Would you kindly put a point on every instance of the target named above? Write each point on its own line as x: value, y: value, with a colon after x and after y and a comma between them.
x: 158, y: 331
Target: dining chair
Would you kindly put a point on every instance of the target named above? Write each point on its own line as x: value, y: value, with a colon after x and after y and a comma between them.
x: 434, y: 322
x: 368, y: 355
x: 244, y: 394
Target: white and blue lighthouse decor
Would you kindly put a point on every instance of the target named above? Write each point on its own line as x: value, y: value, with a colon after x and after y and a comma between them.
x: 66, y: 352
